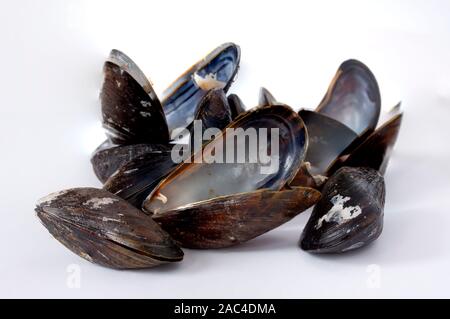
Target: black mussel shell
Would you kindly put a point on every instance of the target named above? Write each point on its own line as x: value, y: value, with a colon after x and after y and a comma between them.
x: 217, y: 70
x: 230, y: 220
x: 132, y: 113
x: 204, y: 176
x: 104, y: 229
x: 236, y: 105
x: 353, y: 98
x: 137, y: 178
x: 349, y: 214
x: 213, y: 112
x: 265, y: 97
x: 328, y: 138
x: 108, y: 157
x: 375, y: 151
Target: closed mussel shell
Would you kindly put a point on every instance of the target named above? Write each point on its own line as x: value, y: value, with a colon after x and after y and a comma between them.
x: 350, y: 213
x: 104, y: 229
x: 108, y: 157
x: 217, y: 70
x: 353, y: 98
x: 132, y: 113
x: 234, y: 219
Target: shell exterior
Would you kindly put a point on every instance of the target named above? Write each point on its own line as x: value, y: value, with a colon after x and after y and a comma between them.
x: 213, y: 112
x: 265, y: 97
x: 328, y: 138
x: 353, y: 98
x: 203, y: 178
x: 132, y: 113
x: 137, y: 178
x: 305, y: 178
x: 108, y: 157
x: 349, y: 214
x: 104, y: 229
x: 217, y: 70
x: 375, y: 151
x: 236, y: 105
x: 234, y: 219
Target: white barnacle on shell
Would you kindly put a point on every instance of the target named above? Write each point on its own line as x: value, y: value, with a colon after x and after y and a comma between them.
x: 338, y: 213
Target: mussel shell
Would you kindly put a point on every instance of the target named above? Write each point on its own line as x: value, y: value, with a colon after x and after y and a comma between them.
x: 125, y: 63
x: 328, y: 138
x: 217, y: 70
x: 237, y: 107
x: 137, y: 178
x: 349, y: 214
x: 132, y: 113
x: 375, y: 151
x: 201, y: 180
x: 108, y: 157
x: 353, y: 98
x: 305, y: 178
x: 104, y: 229
x: 234, y: 219
x: 265, y: 97
x: 213, y: 112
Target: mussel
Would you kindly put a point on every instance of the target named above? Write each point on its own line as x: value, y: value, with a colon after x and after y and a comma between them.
x: 132, y: 113
x: 353, y: 98
x: 213, y: 112
x: 137, y: 178
x: 236, y: 105
x: 350, y: 213
x: 375, y: 151
x: 104, y: 229
x: 265, y: 97
x: 108, y: 157
x: 233, y: 219
x: 341, y: 130
x: 327, y: 140
x: 212, y: 172
x: 206, y: 204
x: 217, y: 70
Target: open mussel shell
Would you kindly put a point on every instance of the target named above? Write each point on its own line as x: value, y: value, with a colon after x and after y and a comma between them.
x: 350, y: 213
x: 328, y: 138
x: 265, y: 97
x: 138, y: 177
x: 236, y: 105
x: 353, y: 98
x: 229, y: 220
x: 104, y: 229
x: 217, y: 70
x: 132, y: 113
x: 238, y: 167
x: 375, y: 151
x: 109, y: 157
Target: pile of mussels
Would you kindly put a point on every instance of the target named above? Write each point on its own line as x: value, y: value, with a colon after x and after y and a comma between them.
x: 149, y: 207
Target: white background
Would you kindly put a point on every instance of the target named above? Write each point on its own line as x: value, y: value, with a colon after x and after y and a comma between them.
x: 51, y: 61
